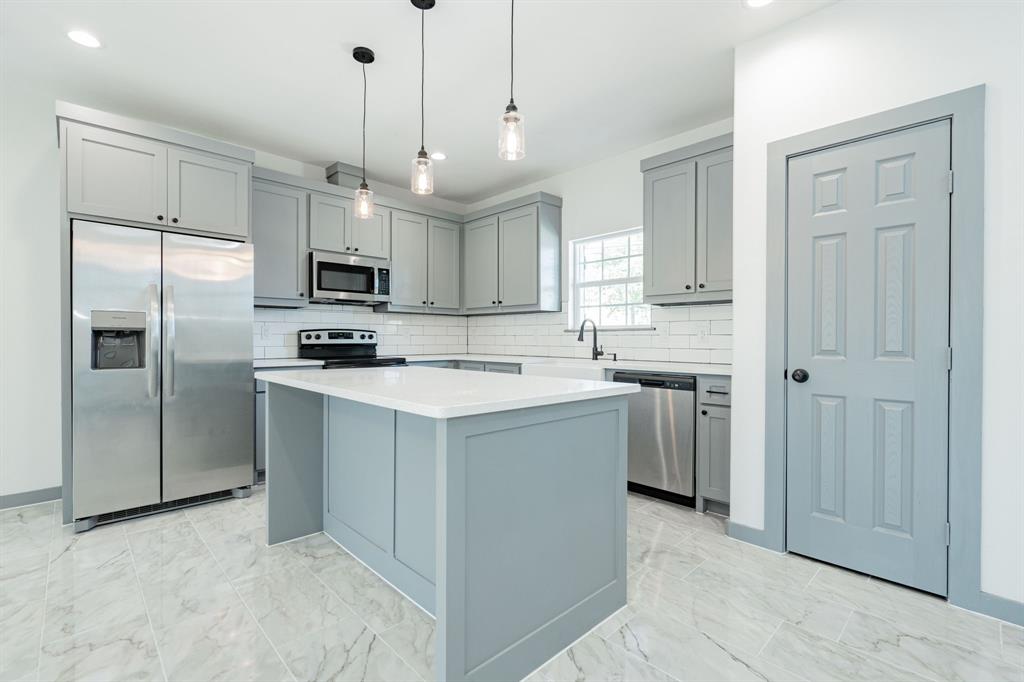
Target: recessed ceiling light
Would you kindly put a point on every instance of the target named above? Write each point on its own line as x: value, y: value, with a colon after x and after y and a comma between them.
x: 439, y: 156
x: 756, y: 3
x: 84, y: 38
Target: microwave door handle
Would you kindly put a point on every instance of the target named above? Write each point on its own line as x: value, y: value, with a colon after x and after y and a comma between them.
x: 153, y: 341
x: 169, y: 339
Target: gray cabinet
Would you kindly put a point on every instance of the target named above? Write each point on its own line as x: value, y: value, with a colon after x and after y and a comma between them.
x: 480, y: 265
x: 116, y: 175
x: 443, y: 238
x: 329, y: 222
x: 208, y: 193
x: 512, y: 257
x: 502, y: 368
x: 279, y: 244
x: 713, y: 448
x: 688, y: 224
x: 371, y: 236
x: 472, y: 365
x: 408, y: 260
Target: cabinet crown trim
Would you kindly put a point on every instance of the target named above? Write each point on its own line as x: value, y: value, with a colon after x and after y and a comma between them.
x: 713, y: 144
x: 123, y: 124
x: 534, y: 198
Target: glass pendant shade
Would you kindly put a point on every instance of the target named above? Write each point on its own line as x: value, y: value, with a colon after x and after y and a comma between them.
x: 512, y: 136
x: 363, y: 202
x: 422, y: 174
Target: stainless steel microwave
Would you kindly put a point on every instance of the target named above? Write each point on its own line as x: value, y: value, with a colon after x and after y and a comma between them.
x: 348, y: 279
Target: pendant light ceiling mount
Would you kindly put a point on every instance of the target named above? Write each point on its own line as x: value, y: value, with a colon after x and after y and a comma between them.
x: 423, y: 4
x: 363, y: 55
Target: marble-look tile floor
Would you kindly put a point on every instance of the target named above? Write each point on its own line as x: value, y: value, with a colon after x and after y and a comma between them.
x: 197, y: 595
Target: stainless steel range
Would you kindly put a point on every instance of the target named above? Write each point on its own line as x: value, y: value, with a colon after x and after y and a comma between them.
x: 343, y: 348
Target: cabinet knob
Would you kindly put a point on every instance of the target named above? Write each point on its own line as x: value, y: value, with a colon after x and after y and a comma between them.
x: 494, y: 303
x: 357, y: 248
x: 701, y: 285
x: 688, y: 287
x: 302, y: 294
x: 704, y: 412
x: 174, y: 220
x: 424, y: 302
x: 348, y: 248
x: 159, y: 217
x: 431, y: 303
x: 499, y: 302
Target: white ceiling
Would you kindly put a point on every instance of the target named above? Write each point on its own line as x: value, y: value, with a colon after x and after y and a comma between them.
x: 593, y: 79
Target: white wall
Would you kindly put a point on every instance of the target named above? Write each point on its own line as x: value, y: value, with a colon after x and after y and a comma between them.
x: 849, y: 60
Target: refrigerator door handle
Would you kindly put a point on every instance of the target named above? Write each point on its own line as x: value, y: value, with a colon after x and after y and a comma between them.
x: 169, y: 339
x: 153, y: 341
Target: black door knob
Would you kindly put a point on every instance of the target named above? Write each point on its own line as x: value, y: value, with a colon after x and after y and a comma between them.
x: 704, y: 412
x: 800, y: 375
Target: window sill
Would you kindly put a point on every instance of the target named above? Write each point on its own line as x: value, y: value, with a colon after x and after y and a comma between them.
x: 615, y: 329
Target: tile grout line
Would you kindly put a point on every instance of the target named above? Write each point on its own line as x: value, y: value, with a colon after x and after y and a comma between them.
x: 245, y: 605
x: 842, y: 630
x: 145, y: 605
x: 769, y: 640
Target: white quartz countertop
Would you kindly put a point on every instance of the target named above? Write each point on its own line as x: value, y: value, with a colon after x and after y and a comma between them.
x: 267, y: 363
x: 445, y: 393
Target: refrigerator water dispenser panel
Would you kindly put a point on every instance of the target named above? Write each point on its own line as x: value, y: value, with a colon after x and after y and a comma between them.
x: 118, y: 339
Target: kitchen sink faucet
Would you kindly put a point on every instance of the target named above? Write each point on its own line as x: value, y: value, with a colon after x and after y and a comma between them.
x: 597, y: 351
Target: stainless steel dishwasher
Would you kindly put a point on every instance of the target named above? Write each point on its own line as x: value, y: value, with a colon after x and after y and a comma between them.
x: 661, y: 431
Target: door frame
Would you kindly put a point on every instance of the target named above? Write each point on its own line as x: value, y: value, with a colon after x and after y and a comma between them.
x: 965, y: 109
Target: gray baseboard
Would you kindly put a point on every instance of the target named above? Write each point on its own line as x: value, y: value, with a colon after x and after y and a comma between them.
x: 991, y: 605
x: 754, y: 536
x: 30, y: 497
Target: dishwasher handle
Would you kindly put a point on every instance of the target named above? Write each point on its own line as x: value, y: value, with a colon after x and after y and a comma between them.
x: 652, y: 383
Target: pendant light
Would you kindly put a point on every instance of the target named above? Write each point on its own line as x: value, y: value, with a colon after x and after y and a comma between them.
x: 363, y: 202
x: 511, y: 135
x: 422, y: 166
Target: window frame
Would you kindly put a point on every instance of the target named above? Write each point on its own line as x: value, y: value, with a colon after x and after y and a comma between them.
x: 576, y: 285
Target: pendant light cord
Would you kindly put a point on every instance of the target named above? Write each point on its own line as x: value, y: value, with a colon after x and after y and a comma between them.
x: 423, y: 71
x: 512, y: 54
x: 364, y: 124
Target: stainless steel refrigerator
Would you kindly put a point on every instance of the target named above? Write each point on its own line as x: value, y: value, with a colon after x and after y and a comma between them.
x: 162, y: 370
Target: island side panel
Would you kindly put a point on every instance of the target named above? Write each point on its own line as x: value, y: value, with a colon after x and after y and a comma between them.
x: 295, y: 453
x: 532, y: 534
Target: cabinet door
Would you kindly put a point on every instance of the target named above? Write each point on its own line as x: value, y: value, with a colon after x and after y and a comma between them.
x: 480, y: 263
x: 208, y: 193
x: 502, y: 368
x: 328, y: 223
x: 472, y: 366
x: 518, y: 255
x: 714, y: 222
x: 279, y: 241
x: 371, y: 236
x: 408, y: 259
x: 713, y: 452
x: 116, y: 175
x: 443, y: 264
x: 670, y: 229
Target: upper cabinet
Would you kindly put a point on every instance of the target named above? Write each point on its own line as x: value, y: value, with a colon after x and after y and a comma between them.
x: 512, y: 257
x: 443, y: 281
x: 425, y: 273
x: 688, y: 224
x: 279, y: 244
x: 122, y: 176
x: 333, y: 228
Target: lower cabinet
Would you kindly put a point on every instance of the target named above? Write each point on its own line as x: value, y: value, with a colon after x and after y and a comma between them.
x: 501, y: 368
x: 472, y: 365
x: 713, y: 448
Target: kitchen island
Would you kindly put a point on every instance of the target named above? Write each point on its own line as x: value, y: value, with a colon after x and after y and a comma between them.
x: 495, y: 502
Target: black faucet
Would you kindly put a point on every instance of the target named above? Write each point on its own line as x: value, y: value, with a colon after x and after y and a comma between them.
x: 596, y: 352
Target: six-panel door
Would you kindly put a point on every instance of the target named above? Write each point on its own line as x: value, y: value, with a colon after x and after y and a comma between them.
x: 116, y: 175
x: 279, y: 241
x: 208, y: 193
x: 868, y: 330
x: 443, y: 265
x: 480, y: 264
x: 408, y: 259
x: 670, y: 229
x: 518, y: 245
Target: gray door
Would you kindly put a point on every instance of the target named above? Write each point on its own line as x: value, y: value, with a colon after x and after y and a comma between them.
x: 116, y: 399
x: 208, y: 193
x: 328, y: 223
x: 670, y: 229
x: 714, y: 222
x: 868, y: 320
x: 518, y: 255
x: 408, y: 259
x: 480, y: 263
x: 443, y: 265
x: 279, y: 241
x: 207, y: 380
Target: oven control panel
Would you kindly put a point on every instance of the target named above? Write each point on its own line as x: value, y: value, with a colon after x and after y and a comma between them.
x: 321, y: 337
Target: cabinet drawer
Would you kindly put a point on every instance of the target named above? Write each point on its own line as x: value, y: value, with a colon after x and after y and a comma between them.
x: 714, y: 391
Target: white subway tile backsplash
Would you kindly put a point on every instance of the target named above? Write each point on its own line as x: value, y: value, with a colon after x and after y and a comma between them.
x: 681, y: 334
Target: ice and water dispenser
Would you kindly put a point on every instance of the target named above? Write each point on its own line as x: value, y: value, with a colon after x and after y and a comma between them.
x: 118, y: 339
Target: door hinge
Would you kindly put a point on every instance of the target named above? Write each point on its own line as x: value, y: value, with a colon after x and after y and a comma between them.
x: 948, y: 531
x: 949, y: 359
x: 951, y: 182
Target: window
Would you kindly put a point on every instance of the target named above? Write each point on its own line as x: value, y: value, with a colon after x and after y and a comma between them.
x: 608, y: 280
